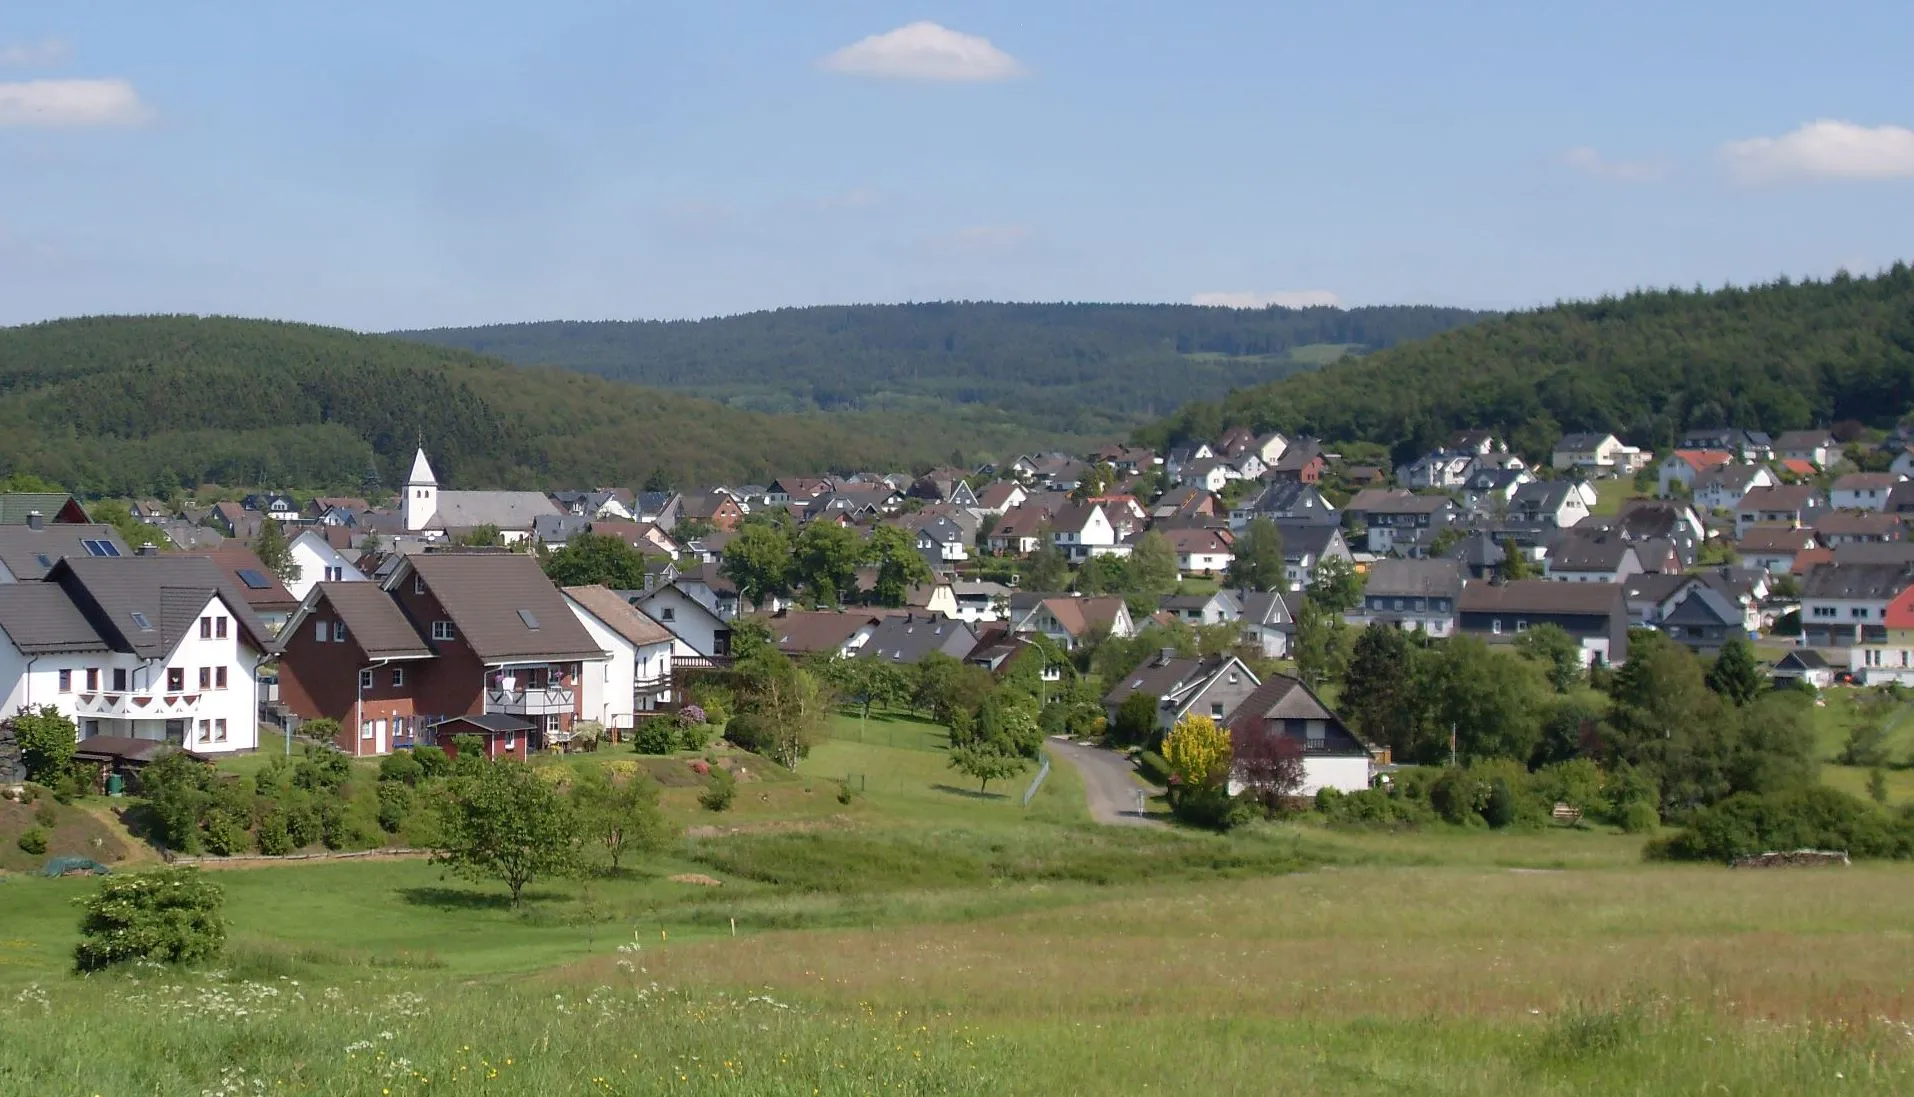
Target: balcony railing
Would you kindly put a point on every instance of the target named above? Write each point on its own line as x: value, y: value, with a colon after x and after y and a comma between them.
x: 530, y: 702
x: 136, y: 705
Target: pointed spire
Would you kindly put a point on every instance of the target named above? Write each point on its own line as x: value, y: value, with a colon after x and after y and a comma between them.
x: 421, y: 470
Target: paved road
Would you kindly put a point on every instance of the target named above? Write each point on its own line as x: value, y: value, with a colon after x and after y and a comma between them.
x: 1108, y: 783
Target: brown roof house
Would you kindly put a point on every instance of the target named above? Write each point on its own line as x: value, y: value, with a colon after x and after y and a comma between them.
x: 1283, y: 707
x: 1070, y: 619
x: 445, y: 634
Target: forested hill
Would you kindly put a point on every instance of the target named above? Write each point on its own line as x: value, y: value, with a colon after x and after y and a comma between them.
x: 1646, y: 366
x: 137, y: 406
x: 1081, y: 369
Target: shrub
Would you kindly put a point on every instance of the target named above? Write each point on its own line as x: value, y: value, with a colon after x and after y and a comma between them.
x: 401, y: 767
x: 432, y: 760
x: 321, y: 769
x: 716, y: 701
x: 694, y: 736
x: 270, y: 781
x: 658, y: 735
x: 395, y: 803
x: 47, y: 816
x: 1638, y: 817
x: 303, y: 824
x: 1458, y: 796
x: 325, y: 729
x: 1808, y: 817
x: 1371, y: 807
x: 845, y: 793
x: 225, y: 832
x: 719, y: 790
x: 47, y: 741
x: 1211, y: 806
x: 748, y: 731
x: 273, y: 836
x: 692, y: 714
x: 171, y: 916
x: 32, y: 841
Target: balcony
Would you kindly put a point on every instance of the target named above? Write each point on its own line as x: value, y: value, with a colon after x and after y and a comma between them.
x: 136, y: 706
x: 531, y: 702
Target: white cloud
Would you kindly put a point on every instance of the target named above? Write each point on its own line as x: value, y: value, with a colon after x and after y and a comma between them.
x: 978, y: 242
x: 1287, y: 299
x: 1827, y: 149
x: 34, y: 54
x: 60, y: 104
x: 925, y: 51
x: 1589, y: 162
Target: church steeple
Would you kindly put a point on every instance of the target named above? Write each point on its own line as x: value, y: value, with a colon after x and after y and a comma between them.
x: 421, y: 494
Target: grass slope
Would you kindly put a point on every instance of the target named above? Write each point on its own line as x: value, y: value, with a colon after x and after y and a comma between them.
x: 1085, y: 369
x: 147, y: 405
x: 1647, y: 366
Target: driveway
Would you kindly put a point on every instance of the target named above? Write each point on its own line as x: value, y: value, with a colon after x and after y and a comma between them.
x: 1108, y: 783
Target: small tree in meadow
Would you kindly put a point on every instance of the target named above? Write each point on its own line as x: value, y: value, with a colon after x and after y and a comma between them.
x: 171, y: 916
x: 1198, y: 752
x: 621, y: 816
x: 986, y: 761
x: 503, y: 823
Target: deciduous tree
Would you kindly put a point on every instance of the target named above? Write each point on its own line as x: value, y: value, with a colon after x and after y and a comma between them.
x: 501, y: 822
x: 1257, y: 563
x: 899, y: 565
x: 597, y: 558
x: 621, y: 816
x: 758, y: 560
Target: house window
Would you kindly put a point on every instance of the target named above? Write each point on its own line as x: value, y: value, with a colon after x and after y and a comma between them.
x: 175, y: 679
x: 205, y: 731
x: 219, y: 677
x: 206, y: 677
x: 398, y: 676
x: 1521, y: 626
x: 365, y: 679
x: 511, y: 743
x: 66, y: 681
x: 365, y: 729
x: 338, y: 632
x: 1860, y: 613
x: 219, y: 627
x: 320, y: 632
x: 552, y: 722
x: 442, y: 630
x: 418, y: 584
x: 119, y: 679
x: 1216, y: 710
x: 335, y: 575
x: 92, y: 679
x: 1495, y: 626
x: 206, y: 628
x: 219, y: 731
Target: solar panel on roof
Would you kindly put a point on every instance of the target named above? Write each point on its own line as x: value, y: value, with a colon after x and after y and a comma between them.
x: 100, y: 548
x: 254, y: 579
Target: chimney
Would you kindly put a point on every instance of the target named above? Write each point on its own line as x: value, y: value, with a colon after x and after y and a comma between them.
x: 36, y: 520
x: 1164, y: 656
x: 149, y: 550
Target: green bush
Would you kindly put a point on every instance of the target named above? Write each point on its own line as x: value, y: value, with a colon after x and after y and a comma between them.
x: 1371, y: 807
x: 1458, y: 796
x: 321, y: 769
x: 432, y: 760
x: 401, y: 767
x: 693, y: 736
x: 748, y: 731
x: 1211, y: 807
x: 1638, y: 817
x: 47, y: 816
x: 171, y: 916
x: 47, y: 741
x: 303, y: 824
x: 224, y: 832
x: 658, y: 735
x: 1809, y: 817
x: 1499, y: 810
x: 716, y: 700
x: 32, y: 841
x: 273, y: 836
x: 719, y: 790
x: 395, y: 803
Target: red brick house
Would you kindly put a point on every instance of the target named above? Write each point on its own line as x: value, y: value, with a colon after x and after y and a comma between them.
x: 447, y: 634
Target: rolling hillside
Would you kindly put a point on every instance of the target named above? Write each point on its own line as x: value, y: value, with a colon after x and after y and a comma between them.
x: 135, y: 406
x: 1646, y: 366
x: 1078, y: 369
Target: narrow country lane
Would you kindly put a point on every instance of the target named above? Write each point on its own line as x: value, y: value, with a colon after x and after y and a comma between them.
x: 1108, y: 783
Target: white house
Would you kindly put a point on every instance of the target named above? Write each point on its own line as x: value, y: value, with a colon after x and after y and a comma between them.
x: 637, y: 677
x: 319, y: 562
x: 1683, y: 466
x: 1083, y: 530
x: 698, y: 632
x: 1862, y: 490
x: 1600, y: 454
x: 1332, y: 755
x: 1817, y: 447
x: 1723, y: 487
x: 156, y: 648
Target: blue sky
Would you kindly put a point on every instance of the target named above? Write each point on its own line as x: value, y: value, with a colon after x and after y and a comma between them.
x: 378, y: 165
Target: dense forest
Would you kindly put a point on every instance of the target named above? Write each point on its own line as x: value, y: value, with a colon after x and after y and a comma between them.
x: 1646, y: 366
x: 1083, y: 370
x: 131, y: 406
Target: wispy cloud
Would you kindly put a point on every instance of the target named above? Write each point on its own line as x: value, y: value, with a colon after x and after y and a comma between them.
x: 925, y: 51
x: 1827, y: 149
x: 34, y: 55
x: 1589, y: 162
x: 68, y: 104
x: 977, y: 242
x: 1251, y: 299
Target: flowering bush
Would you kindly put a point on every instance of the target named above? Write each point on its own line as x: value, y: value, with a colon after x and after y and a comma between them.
x: 692, y: 714
x: 172, y: 916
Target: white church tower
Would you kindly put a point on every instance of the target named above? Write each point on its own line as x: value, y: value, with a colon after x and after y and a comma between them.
x: 421, y: 494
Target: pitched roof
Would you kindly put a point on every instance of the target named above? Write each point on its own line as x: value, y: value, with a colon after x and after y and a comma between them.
x: 372, y: 618
x: 619, y: 615
x: 1306, y: 538
x: 30, y: 553
x: 1869, y: 582
x: 504, y: 607
x: 1865, y: 481
x: 1417, y: 578
x: 252, y: 579
x: 1790, y: 497
x: 1541, y: 596
x: 1185, y: 540
x: 1868, y: 552
x: 167, y: 592
x: 489, y: 721
x: 1702, y: 606
x: 997, y: 496
x: 1282, y: 697
x: 1838, y: 523
x: 40, y: 618
x: 809, y: 631
x: 1774, y: 539
x: 1799, y: 466
x: 1703, y: 459
x: 1396, y: 501
x: 1803, y: 439
x: 504, y: 509
x: 1581, y: 443
x: 1602, y: 551
x: 1165, y: 674
x: 907, y: 639
x: 421, y: 470
x: 16, y: 506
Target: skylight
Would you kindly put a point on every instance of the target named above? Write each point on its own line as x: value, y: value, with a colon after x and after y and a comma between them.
x: 255, y: 579
x: 100, y: 548
x: 139, y: 619
x: 531, y: 622
x: 41, y: 557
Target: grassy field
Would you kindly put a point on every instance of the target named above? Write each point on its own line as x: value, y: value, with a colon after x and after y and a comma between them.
x: 924, y: 939
x: 1837, y: 717
x: 1611, y: 494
